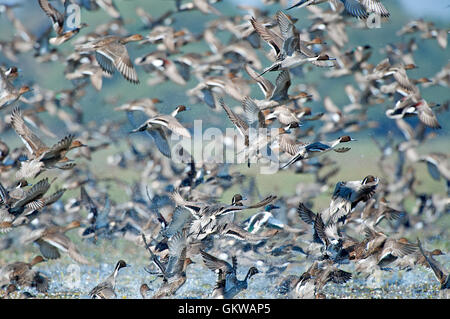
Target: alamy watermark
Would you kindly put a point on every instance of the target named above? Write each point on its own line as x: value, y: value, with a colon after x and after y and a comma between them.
x: 258, y: 147
x: 73, y: 16
x: 373, y: 21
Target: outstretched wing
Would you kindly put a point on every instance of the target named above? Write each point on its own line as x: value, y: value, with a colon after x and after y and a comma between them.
x: 31, y: 141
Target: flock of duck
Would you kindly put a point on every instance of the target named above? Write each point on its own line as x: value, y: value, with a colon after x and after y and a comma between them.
x: 174, y: 214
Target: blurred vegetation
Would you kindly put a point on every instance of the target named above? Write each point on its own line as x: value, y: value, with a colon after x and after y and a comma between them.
x: 97, y: 106
x: 429, y: 57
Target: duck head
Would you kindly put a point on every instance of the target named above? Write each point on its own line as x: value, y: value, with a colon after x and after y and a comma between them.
x: 76, y: 144
x: 37, y: 260
x: 344, y: 139
x: 324, y: 57
x: 24, y: 89
x: 368, y: 179
x: 237, y: 200
x: 437, y: 252
x: 121, y: 264
x: 270, y: 207
x: 144, y: 289
x: 131, y: 38
x: 251, y: 272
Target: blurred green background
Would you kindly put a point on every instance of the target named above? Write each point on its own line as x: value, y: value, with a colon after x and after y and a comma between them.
x: 363, y: 157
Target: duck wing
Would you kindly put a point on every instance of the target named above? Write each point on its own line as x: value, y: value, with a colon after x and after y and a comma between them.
x: 427, y: 116
x: 273, y: 39
x: 355, y: 8
x: 56, y: 16
x: 57, y: 150
x: 214, y: 263
x: 375, y: 6
x: 255, y: 118
x: 306, y: 214
x: 171, y: 123
x: 265, y: 85
x: 282, y: 84
x: 31, y: 141
x: 241, y: 125
x: 116, y: 54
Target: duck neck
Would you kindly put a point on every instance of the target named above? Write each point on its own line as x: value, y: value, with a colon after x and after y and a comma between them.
x: 175, y: 112
x: 336, y: 143
x: 248, y: 275
x: 114, y: 274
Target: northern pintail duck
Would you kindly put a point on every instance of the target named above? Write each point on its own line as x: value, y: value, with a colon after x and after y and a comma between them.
x: 18, y: 205
x: 207, y: 217
x: 293, y: 61
x: 84, y: 70
x: 242, y: 125
x: 228, y: 285
x: 146, y: 105
x: 158, y: 125
x: 111, y: 53
x: 347, y: 194
x: 52, y: 239
x: 9, y: 95
x: 59, y: 23
x: 274, y: 94
x: 328, y: 241
x: 203, y: 6
x: 231, y: 229
x: 372, y: 215
x: 385, y: 69
x: 428, y: 31
x: 378, y: 250
x: 174, y: 272
x: 288, y: 43
x: 260, y: 219
x: 438, y: 164
x: 417, y: 258
x: 50, y: 157
x: 256, y: 141
x: 291, y: 52
x: 106, y: 289
x: 357, y: 8
x: 22, y: 274
x: 311, y: 283
x: 151, y: 22
x: 166, y: 69
x: 265, y: 218
x: 410, y: 106
x: 315, y: 149
x: 289, y: 117
x: 98, y: 224
x: 261, y: 145
x: 441, y: 274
